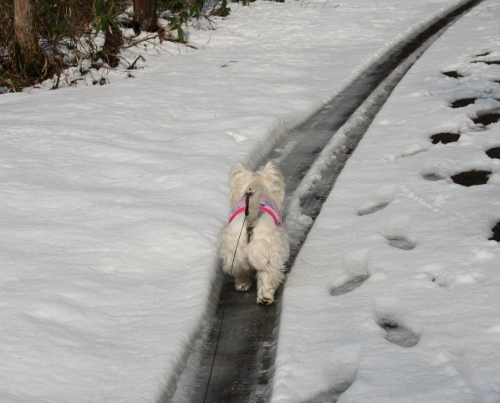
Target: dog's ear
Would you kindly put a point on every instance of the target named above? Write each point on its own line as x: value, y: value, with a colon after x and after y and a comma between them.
x: 275, y: 176
x: 237, y: 182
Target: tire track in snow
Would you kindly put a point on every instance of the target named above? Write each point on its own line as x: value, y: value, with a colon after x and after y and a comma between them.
x: 235, y: 362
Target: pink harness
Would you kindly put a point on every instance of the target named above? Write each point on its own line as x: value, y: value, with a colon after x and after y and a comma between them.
x: 266, y: 204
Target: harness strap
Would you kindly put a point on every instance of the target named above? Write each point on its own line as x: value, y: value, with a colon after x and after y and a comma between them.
x: 266, y: 205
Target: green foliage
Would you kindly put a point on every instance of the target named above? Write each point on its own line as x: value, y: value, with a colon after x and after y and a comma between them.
x: 106, y: 15
x: 187, y: 10
x: 223, y: 10
x: 183, y: 11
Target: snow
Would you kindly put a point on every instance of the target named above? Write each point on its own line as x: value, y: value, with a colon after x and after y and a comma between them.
x: 420, y: 246
x: 113, y: 197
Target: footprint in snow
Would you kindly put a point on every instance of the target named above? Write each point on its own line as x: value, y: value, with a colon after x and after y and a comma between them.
x: 396, y: 232
x: 356, y: 264
x: 403, y: 243
x: 462, y: 103
x: 471, y: 178
x: 474, y: 177
x: 349, y: 286
x: 381, y: 199
x: 452, y: 74
x: 487, y: 118
x: 371, y: 207
x: 390, y: 314
x: 444, y: 138
x: 398, y: 334
x: 496, y: 233
x: 493, y: 152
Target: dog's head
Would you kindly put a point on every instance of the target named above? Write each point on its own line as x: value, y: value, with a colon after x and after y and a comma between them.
x: 242, y: 180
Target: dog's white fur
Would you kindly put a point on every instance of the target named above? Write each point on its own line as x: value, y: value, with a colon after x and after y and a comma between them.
x: 268, y: 249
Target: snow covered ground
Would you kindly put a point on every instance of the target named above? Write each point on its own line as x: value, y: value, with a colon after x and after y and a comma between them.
x: 424, y: 323
x: 113, y: 196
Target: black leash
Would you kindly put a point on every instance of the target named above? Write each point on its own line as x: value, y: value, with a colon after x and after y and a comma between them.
x: 247, y: 203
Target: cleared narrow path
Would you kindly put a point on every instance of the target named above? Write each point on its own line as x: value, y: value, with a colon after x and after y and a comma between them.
x: 237, y: 357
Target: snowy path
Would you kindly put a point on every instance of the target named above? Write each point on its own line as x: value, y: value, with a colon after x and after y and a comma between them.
x: 112, y: 197
x: 236, y: 361
x: 395, y: 293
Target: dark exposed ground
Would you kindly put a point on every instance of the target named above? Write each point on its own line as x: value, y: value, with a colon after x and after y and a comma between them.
x: 471, y: 178
x: 494, y: 152
x: 445, y: 138
x: 487, y: 118
x: 496, y: 233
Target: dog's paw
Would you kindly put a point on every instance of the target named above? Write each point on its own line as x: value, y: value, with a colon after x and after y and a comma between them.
x: 244, y: 286
x: 265, y: 298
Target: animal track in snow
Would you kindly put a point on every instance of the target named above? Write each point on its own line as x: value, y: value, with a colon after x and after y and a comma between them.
x: 471, y: 178
x: 493, y: 153
x: 444, y: 138
x: 397, y: 334
x: 409, y: 194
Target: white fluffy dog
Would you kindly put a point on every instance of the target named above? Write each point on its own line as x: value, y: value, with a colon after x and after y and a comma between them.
x: 263, y: 244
